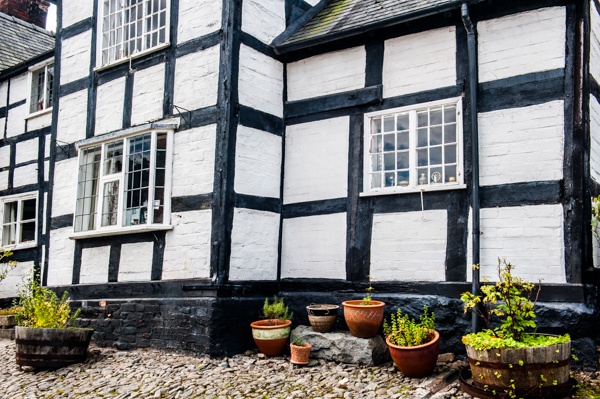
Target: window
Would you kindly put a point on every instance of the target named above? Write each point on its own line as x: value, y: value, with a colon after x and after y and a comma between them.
x: 413, y: 148
x: 124, y: 182
x: 130, y: 27
x: 19, y: 222
x: 42, y: 81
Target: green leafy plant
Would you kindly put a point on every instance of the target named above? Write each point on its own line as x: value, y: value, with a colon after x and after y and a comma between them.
x: 10, y: 311
x: 5, y: 267
x: 298, y: 341
x: 42, y: 308
x: 276, y: 310
x: 595, y: 222
x: 405, y: 331
x: 369, y: 294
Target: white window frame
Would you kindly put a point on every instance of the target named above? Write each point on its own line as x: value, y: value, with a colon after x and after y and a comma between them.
x: 124, y: 56
x: 32, y: 70
x: 19, y: 198
x: 413, y: 183
x: 121, y: 227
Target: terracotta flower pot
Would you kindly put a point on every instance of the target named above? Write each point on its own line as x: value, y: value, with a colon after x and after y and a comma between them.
x: 363, y: 320
x: 416, y: 361
x: 300, y: 354
x: 271, y: 335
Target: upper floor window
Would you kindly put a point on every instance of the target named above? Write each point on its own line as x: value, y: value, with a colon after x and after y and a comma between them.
x: 41, y: 82
x: 19, y: 220
x: 130, y: 27
x: 124, y: 182
x: 412, y: 148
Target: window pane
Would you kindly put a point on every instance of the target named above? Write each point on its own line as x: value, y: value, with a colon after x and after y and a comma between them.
x: 423, y: 179
x: 403, y: 178
x: 436, y: 175
x: 450, y: 153
x: 376, y: 144
x: 422, y: 157
x: 449, y: 114
x: 402, y: 162
x: 29, y: 209
x: 8, y: 234
x: 450, y: 175
x: 389, y: 161
x: 136, y: 197
x: 435, y: 116
x: 10, y: 212
x: 422, y: 139
x: 89, y: 170
x: 376, y: 125
x: 402, y: 122
x: 376, y: 180
x: 388, y: 124
x: 27, y: 232
x: 423, y: 119
x: 113, y: 158
x: 402, y: 141
x: 450, y: 134
x: 376, y: 163
x: 389, y: 142
x: 435, y: 156
x: 390, y: 180
x: 49, y: 85
x: 37, y: 91
x: 435, y: 135
x: 110, y: 208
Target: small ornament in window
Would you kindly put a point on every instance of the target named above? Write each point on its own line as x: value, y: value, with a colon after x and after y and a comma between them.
x: 422, y: 179
x: 436, y: 177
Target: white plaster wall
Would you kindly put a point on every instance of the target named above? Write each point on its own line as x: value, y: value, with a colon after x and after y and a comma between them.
x: 65, y: 187
x: 3, y: 93
x: 25, y: 175
x: 419, y: 62
x: 5, y: 155
x: 76, y: 10
x: 109, y: 106
x: 3, y: 180
x: 75, y: 58
x: 595, y: 252
x: 594, y: 41
x: 196, y: 79
x: 595, y: 139
x: 2, y: 124
x: 194, y: 161
x: 15, y: 124
x: 316, y: 160
x: 40, y: 121
x: 198, y: 18
x: 187, y: 249
x: 260, y: 82
x: 254, y: 240
x: 263, y: 19
x: 530, y: 237
x: 136, y: 262
x: 312, y: 2
x: 521, y: 43
x: 409, y: 246
x: 18, y: 88
x: 314, y: 247
x: 257, y: 163
x: 94, y: 265
x: 60, y: 258
x: 324, y: 74
x: 148, y: 94
x: 17, y: 277
x: 72, y: 117
x: 521, y: 144
x: 27, y: 150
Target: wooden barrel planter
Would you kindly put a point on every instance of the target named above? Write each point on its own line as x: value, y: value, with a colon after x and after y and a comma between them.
x: 322, y: 317
x: 526, y: 368
x: 51, y: 348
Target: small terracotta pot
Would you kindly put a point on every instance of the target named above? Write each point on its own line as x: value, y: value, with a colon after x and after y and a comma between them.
x: 416, y: 361
x: 271, y: 335
x: 363, y: 320
x: 300, y: 354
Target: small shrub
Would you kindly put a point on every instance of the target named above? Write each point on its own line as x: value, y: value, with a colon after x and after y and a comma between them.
x: 5, y: 267
x: 298, y: 341
x: 404, y: 331
x: 11, y: 310
x: 276, y: 310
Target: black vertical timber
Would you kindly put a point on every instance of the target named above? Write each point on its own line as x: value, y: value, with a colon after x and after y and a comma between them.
x: 588, y: 261
x: 374, y: 64
x: 158, y: 254
x: 40, y: 204
x: 281, y: 178
x: 128, y: 100
x: 169, y: 90
x: 12, y: 162
x: 114, y: 261
x: 93, y: 82
x: 77, y: 255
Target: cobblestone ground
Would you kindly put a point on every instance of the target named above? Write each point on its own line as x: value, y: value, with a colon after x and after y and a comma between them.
x: 149, y: 373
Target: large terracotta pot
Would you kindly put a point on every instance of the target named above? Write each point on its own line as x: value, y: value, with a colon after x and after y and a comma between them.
x: 416, y: 361
x: 363, y: 320
x: 300, y: 354
x: 271, y: 335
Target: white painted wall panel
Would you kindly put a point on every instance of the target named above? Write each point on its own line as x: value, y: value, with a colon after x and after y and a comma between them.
x: 3, y: 180
x: 109, y: 106
x: 2, y: 124
x: 60, y: 258
x: 409, y: 246
x: 521, y: 43
x: 148, y: 94
x: 18, y: 88
x: 263, y: 19
x: 194, y: 161
x: 187, y: 249
x: 530, y: 237
x: 3, y: 93
x: 75, y: 62
x: 27, y: 150
x: 595, y: 139
x: 316, y: 160
x: 522, y: 144
x: 198, y: 18
x: 76, y: 10
x: 15, y: 124
x: 260, y: 82
x: 594, y: 41
x: 65, y: 187
x: 25, y: 175
x: 136, y: 262
x: 314, y: 247
x: 419, y: 62
x: 94, y: 265
x: 15, y: 279
x: 257, y: 163
x: 254, y: 241
x: 328, y: 73
x: 196, y: 79
x: 5, y: 156
x: 40, y: 121
x: 72, y: 116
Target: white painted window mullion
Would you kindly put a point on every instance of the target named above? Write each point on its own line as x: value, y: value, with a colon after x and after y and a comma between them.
x: 412, y: 146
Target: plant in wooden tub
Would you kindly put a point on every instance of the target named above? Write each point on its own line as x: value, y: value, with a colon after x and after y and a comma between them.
x: 300, y: 351
x: 45, y: 335
x: 271, y: 334
x: 364, y: 317
x: 508, y: 360
x: 414, y: 345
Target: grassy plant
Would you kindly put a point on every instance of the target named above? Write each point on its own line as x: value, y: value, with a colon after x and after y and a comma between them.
x: 404, y: 331
x: 369, y: 294
x: 276, y: 309
x: 5, y: 267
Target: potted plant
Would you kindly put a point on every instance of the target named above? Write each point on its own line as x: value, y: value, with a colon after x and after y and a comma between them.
x: 507, y: 360
x: 299, y: 351
x: 364, y: 317
x: 272, y: 333
x: 414, y: 346
x: 322, y: 317
x: 45, y: 336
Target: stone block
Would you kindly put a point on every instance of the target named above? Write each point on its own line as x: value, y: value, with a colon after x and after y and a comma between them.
x: 341, y: 346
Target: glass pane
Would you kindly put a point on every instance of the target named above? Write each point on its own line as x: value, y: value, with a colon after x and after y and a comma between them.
x: 388, y: 124
x: 402, y: 122
x: 423, y: 179
x: 450, y: 134
x: 449, y: 114
x: 435, y: 135
x: 436, y: 175
x: 376, y: 163
x: 89, y: 170
x: 376, y: 180
x: 402, y: 160
x: 450, y: 174
x: 403, y: 178
x: 389, y: 142
x: 376, y: 125
x: 376, y: 144
x: 450, y: 154
x: 423, y: 119
x: 27, y: 232
x: 402, y: 141
x: 10, y: 212
x: 29, y: 209
x: 8, y: 234
x: 110, y: 209
x: 113, y: 159
x: 435, y: 156
x: 160, y: 178
x: 389, y: 161
x: 422, y: 138
x: 390, y: 179
x: 422, y: 157
x: 435, y: 116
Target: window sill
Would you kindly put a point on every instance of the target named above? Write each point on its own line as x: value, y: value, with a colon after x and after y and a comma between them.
x: 39, y: 113
x: 133, y: 57
x: 17, y: 247
x: 413, y: 190
x: 105, y: 232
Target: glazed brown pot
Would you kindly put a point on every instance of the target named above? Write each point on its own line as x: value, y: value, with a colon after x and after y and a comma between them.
x: 271, y: 335
x: 416, y: 361
x: 300, y: 354
x: 363, y: 320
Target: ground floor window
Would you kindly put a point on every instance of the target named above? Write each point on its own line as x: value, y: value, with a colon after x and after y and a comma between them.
x: 19, y: 220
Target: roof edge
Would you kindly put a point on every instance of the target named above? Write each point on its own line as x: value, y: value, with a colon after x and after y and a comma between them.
x: 24, y: 66
x: 27, y: 24
x: 297, y: 25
